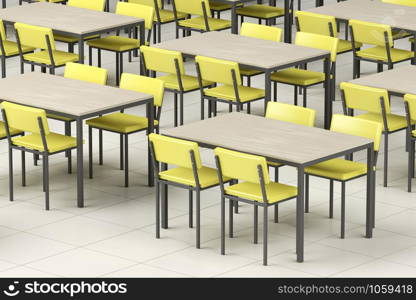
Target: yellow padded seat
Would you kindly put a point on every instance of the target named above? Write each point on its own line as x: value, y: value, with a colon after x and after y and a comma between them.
x: 56, y: 117
x: 115, y: 43
x: 379, y: 53
x: 395, y: 122
x: 227, y: 92
x: 274, y: 164
x: 189, y: 82
x: 72, y: 39
x: 298, y: 76
x: 11, y: 48
x: 339, y: 169
x: 207, y: 176
x: 414, y: 132
x: 249, y: 72
x: 344, y: 45
x: 400, y: 34
x: 3, y: 133
x: 56, y: 142
x: 275, y: 191
x: 120, y: 122
x: 199, y: 23
x: 218, y: 6
x: 261, y: 11
x: 60, y: 57
x: 167, y: 16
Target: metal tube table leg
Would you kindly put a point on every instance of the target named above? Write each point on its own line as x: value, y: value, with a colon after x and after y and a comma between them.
x: 267, y: 89
x: 150, y: 129
x: 328, y: 100
x: 370, y: 192
x: 81, y: 50
x: 300, y: 215
x: 287, y: 26
x: 80, y: 165
x: 234, y: 19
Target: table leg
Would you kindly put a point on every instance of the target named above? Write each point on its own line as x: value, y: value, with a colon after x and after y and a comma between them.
x: 234, y: 19
x: 267, y: 89
x: 150, y: 129
x: 80, y: 165
x: 81, y: 50
x: 288, y: 27
x: 142, y: 42
x: 328, y: 100
x: 107, y: 5
x: 370, y: 205
x: 300, y: 215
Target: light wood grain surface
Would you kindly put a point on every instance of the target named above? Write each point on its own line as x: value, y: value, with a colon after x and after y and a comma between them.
x: 56, y: 93
x: 244, y: 50
x: 397, y: 16
x: 266, y: 137
x: 65, y: 18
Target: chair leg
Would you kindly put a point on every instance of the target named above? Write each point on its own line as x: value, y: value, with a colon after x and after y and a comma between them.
x: 46, y: 179
x: 157, y: 195
x: 386, y: 157
x: 10, y: 174
x: 100, y: 147
x: 295, y: 95
x: 159, y: 33
x: 68, y: 153
x: 274, y: 91
x: 198, y: 219
x: 202, y: 109
x: 117, y: 68
x: 236, y: 207
x: 276, y: 213
x: 99, y: 58
x: 304, y: 97
x: 342, y: 209
x: 90, y: 154
x: 249, y: 108
x: 410, y: 163
x: 265, y: 233
x: 126, y: 160
x: 23, y: 168
x: 307, y: 194
x: 223, y: 225
x: 121, y: 152
x: 230, y: 219
x: 181, y: 107
x: 175, y: 109
x: 256, y: 224
x: 331, y: 198
x: 3, y: 67
x: 90, y: 56
x: 191, y: 210
x: 379, y: 68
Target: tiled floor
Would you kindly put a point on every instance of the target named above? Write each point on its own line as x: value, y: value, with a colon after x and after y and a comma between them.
x: 114, y: 234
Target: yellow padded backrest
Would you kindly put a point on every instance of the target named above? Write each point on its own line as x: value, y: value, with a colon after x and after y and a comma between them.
x: 175, y: 151
x: 147, y: 2
x: 145, y: 12
x: 193, y: 7
x: 34, y: 36
x: 98, y: 5
x: 371, y: 33
x: 86, y: 73
x: 291, y: 113
x: 316, y: 23
x: 359, y: 127
x: 2, y: 31
x: 143, y: 84
x: 218, y: 70
x: 25, y: 118
x: 242, y: 166
x: 411, y: 100
x: 261, y: 32
x: 401, y: 2
x: 319, y: 42
x: 364, y: 98
x: 162, y: 60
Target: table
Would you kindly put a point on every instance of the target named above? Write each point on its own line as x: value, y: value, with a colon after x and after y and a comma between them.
x: 292, y: 144
x: 266, y: 56
x: 77, y: 100
x: 71, y: 21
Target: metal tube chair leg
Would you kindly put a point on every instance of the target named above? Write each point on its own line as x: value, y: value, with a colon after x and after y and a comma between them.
x: 99, y: 57
x: 411, y: 162
x: 175, y: 109
x: 3, y: 67
x: 46, y: 178
x: 121, y: 152
x: 256, y: 224
x: 117, y: 69
x: 165, y: 198
x: 265, y: 233
x: 157, y: 195
x: 306, y: 193
x: 296, y: 94
x: 342, y: 209
x: 331, y: 198
x: 90, y: 56
x: 304, y: 97
x: 222, y: 225
x: 90, y: 154
x: 10, y: 174
x: 181, y: 107
x: 198, y: 219
x: 236, y: 207
x: 23, y: 168
x: 100, y: 147
x: 191, y: 212
x: 276, y: 174
x: 230, y: 219
x: 386, y: 157
x: 276, y: 213
x: 126, y: 160
x: 202, y: 109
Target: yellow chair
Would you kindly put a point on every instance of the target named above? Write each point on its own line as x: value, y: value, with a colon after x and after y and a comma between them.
x: 230, y: 90
x: 301, y: 78
x: 188, y: 173
x: 254, y: 187
x: 9, y: 49
x: 379, y: 36
x: 262, y: 32
x: 376, y: 103
x: 40, y: 141
x: 218, y: 7
x: 176, y: 81
x: 126, y: 124
x: 342, y: 170
x: 121, y: 44
x: 162, y: 16
x: 40, y: 38
x: 263, y: 12
x: 410, y: 105
x: 98, y: 5
x: 203, y: 21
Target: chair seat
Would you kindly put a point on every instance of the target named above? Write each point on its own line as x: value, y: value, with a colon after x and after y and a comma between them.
x: 3, y: 133
x: 249, y: 72
x: 189, y: 82
x: 115, y: 43
x: 56, y: 142
x: 338, y: 168
x: 379, y: 53
x: 120, y: 122
x: 261, y: 11
x: 298, y: 77
x: 226, y: 92
x: 11, y: 48
x: 219, y: 6
x: 72, y: 39
x: 60, y: 118
x: 344, y: 46
x: 207, y: 176
x: 395, y: 122
x: 53, y: 1
x: 400, y: 34
x: 275, y: 191
x: 199, y: 23
x: 274, y: 164
x: 167, y: 16
x: 60, y: 57
x: 414, y: 132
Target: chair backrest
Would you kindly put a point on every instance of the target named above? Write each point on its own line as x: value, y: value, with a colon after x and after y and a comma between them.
x: 175, y: 151
x: 2, y: 31
x: 411, y: 101
x: 242, y: 166
x: 364, y: 98
x: 34, y: 36
x: 147, y: 2
x: 98, y: 5
x: 401, y: 2
x: 192, y: 7
x: 291, y: 113
x: 358, y: 127
x: 25, y: 118
x: 318, y: 41
x: 371, y: 33
x: 145, y: 12
x: 86, y: 73
x: 218, y: 70
x: 143, y: 84
x: 316, y: 23
x: 261, y: 32
x: 162, y: 60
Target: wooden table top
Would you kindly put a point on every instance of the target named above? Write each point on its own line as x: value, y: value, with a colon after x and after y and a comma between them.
x: 65, y: 18
x: 397, y: 16
x: 63, y: 95
x: 251, y: 51
x: 287, y: 142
